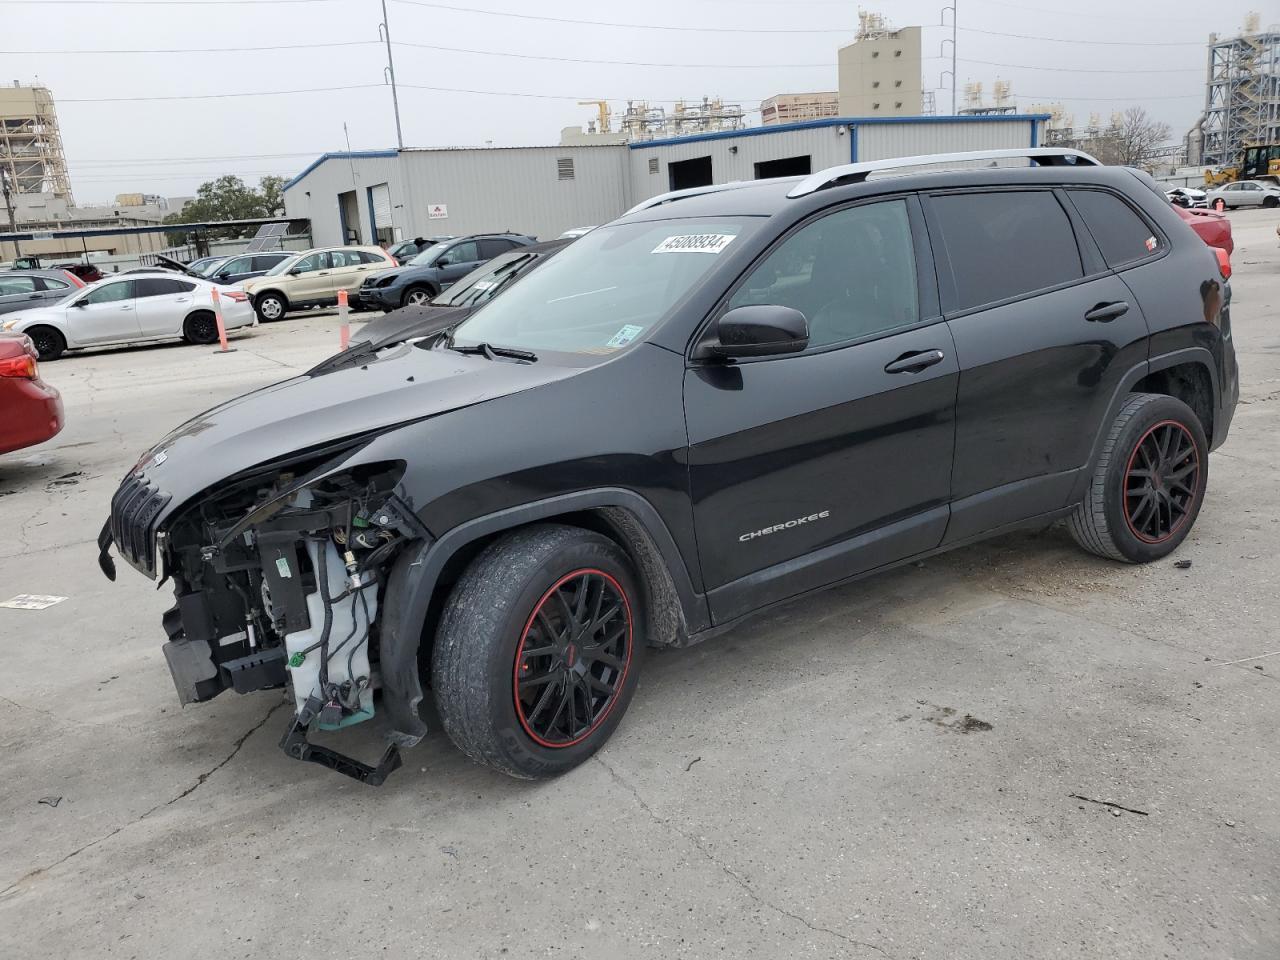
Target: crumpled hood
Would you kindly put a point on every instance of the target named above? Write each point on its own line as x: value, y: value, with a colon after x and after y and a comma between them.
x: 404, y: 385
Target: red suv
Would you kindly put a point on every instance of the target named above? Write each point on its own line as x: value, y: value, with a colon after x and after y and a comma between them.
x: 30, y: 409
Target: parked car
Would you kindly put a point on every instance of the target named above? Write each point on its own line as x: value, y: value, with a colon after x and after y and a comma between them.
x: 731, y: 397
x: 1188, y: 197
x: 434, y: 269
x: 131, y: 309
x: 1213, y: 228
x: 1245, y: 193
x: 246, y: 266
x: 30, y: 409
x: 454, y: 305
x: 313, y: 278
x: 406, y: 250
x: 24, y: 289
x: 574, y: 233
x: 197, y: 267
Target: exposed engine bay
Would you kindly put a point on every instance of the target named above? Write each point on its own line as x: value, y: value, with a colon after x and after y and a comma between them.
x: 278, y: 578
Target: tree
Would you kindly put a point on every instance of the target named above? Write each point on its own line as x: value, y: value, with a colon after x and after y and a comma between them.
x: 230, y: 198
x: 1138, y: 138
x: 271, y: 189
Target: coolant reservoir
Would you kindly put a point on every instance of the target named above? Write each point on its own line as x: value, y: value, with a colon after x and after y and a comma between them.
x: 347, y: 661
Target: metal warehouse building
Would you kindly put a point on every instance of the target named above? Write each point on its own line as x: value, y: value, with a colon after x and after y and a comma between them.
x: 380, y: 196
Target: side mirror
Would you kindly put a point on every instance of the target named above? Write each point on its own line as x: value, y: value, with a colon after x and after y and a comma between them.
x: 81, y: 304
x: 224, y: 275
x: 443, y: 262
x: 295, y: 271
x: 763, y: 330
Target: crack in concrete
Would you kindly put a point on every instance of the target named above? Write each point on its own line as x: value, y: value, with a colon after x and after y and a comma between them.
x: 9, y: 891
x: 728, y: 871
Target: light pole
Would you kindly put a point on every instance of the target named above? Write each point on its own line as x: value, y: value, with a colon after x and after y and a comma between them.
x: 389, y: 74
x: 942, y: 47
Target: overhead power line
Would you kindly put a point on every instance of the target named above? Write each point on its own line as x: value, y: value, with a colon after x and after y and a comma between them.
x: 216, y: 96
x: 1090, y: 42
x: 153, y: 3
x: 190, y: 50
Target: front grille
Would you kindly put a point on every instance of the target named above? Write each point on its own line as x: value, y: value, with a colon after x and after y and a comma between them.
x: 134, y: 509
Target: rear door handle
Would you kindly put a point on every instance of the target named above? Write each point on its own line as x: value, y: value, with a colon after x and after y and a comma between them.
x: 1106, y: 312
x: 915, y: 362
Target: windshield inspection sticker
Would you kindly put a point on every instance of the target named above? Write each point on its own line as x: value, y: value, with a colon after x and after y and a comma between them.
x: 695, y: 243
x: 625, y: 335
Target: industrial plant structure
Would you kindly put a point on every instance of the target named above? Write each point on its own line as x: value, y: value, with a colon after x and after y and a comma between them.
x: 31, y: 157
x: 1242, y: 97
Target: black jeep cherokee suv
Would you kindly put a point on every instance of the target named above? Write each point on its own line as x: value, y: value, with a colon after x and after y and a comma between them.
x: 727, y: 398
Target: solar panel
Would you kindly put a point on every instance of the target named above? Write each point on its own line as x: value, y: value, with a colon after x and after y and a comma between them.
x: 267, y: 237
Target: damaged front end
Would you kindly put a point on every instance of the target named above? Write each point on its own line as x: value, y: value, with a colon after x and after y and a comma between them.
x: 280, y: 576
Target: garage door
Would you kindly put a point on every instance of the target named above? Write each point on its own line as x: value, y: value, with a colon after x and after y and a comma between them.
x: 380, y: 201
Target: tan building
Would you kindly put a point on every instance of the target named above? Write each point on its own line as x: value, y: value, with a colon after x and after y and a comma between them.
x: 31, y: 157
x: 795, y: 107
x: 879, y: 73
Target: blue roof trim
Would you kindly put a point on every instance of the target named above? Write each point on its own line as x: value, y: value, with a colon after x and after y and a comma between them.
x: 340, y: 155
x: 834, y: 122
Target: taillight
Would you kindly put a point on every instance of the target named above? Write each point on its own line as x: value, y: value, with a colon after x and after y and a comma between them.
x: 22, y: 368
x: 236, y: 296
x: 1224, y: 263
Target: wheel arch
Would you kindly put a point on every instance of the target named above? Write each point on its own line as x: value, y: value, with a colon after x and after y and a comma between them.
x: 421, y: 579
x: 259, y: 294
x: 1179, y: 369
x: 45, y: 325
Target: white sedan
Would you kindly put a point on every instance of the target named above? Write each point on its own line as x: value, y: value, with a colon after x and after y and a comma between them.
x: 136, y: 308
x: 1245, y: 193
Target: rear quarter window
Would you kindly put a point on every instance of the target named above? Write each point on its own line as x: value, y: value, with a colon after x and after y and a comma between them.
x: 1121, y: 235
x: 1005, y: 244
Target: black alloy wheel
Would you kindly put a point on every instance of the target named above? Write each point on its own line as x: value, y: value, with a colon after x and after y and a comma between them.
x: 572, y: 658
x: 48, y: 342
x: 1161, y: 482
x: 201, y: 328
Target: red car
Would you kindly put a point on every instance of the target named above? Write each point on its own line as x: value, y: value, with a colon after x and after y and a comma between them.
x: 1214, y: 228
x: 30, y: 409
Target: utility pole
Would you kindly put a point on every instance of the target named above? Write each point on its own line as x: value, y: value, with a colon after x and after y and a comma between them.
x: 8, y: 206
x: 389, y: 74
x: 952, y: 41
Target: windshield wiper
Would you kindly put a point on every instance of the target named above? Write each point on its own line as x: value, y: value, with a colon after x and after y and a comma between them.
x: 489, y: 351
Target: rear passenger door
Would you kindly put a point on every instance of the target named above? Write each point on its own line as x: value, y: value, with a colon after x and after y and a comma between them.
x: 162, y: 303
x: 1044, y: 333
x: 808, y: 468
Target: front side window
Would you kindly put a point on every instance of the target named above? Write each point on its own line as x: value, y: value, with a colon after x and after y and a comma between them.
x: 1121, y: 235
x: 111, y: 293
x: 465, y: 252
x: 1006, y: 244
x: 240, y: 265
x: 851, y: 273
x: 606, y: 290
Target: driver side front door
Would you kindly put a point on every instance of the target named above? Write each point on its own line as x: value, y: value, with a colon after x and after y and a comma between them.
x: 105, y: 314
x: 459, y: 260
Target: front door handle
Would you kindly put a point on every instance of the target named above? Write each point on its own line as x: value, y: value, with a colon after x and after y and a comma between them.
x: 36, y: 296
x: 915, y: 362
x: 126, y: 308
x: 1106, y: 312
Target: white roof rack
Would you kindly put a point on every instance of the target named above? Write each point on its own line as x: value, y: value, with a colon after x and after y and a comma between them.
x: 858, y: 172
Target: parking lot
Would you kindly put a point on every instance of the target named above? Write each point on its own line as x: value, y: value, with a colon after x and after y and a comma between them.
x: 1013, y: 750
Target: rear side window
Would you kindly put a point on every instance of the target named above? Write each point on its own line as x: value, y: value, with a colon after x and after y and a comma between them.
x: 1004, y: 245
x: 51, y: 284
x: 1121, y: 235
x: 493, y: 247
x: 367, y: 257
x: 160, y: 286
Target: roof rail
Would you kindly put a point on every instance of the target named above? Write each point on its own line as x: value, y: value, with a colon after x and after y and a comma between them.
x: 662, y: 198
x: 858, y: 172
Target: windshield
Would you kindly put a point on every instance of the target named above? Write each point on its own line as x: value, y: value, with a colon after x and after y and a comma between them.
x: 429, y: 254
x: 284, y: 266
x: 207, y: 269
x: 605, y: 290
x: 481, y: 284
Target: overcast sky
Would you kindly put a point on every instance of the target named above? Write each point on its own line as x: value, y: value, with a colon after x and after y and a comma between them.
x: 1118, y: 55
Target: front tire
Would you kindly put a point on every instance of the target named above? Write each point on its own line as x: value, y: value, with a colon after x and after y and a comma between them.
x: 1148, y: 484
x: 537, y: 654
x: 416, y: 296
x: 49, y: 343
x: 1270, y: 202
x: 271, y: 306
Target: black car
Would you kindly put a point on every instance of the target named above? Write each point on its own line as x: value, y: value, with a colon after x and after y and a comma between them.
x: 246, y: 266
x: 455, y: 304
x: 729, y: 398
x: 435, y: 269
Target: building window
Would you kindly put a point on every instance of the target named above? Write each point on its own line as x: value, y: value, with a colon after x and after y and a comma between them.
x: 564, y: 168
x: 653, y: 165
x: 897, y: 83
x: 875, y: 106
x: 897, y: 53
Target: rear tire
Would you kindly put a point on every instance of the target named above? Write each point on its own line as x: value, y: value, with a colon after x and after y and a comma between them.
x: 1148, y: 483
x: 271, y: 306
x: 201, y: 327
x: 537, y: 654
x: 1270, y: 202
x: 49, y: 343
